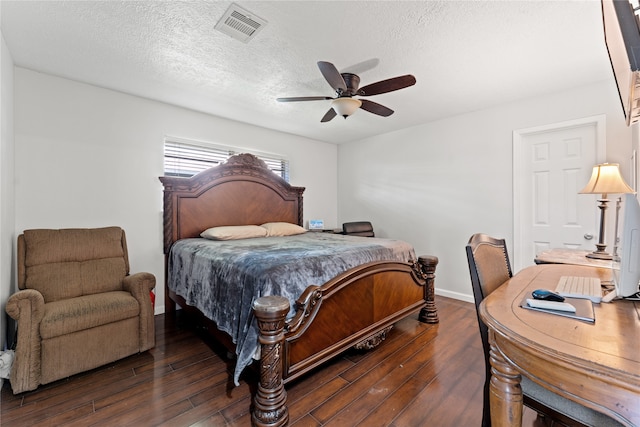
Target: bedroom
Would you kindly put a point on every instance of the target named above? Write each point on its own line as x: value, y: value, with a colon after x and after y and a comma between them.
x: 75, y: 154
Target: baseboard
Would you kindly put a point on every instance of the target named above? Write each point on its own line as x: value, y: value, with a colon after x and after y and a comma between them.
x: 455, y: 295
x: 158, y: 309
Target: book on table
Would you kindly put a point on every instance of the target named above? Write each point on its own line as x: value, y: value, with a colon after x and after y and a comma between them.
x: 584, y: 309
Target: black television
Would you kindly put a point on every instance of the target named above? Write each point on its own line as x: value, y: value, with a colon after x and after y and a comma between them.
x: 622, y: 38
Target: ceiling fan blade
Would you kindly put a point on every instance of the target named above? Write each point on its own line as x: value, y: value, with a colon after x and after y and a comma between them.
x: 304, y: 98
x: 375, y: 108
x: 329, y: 115
x: 388, y: 85
x: 332, y: 76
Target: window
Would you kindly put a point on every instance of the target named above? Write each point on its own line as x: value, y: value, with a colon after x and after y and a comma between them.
x: 187, y: 158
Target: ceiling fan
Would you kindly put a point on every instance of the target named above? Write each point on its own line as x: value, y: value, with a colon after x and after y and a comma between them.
x: 346, y: 87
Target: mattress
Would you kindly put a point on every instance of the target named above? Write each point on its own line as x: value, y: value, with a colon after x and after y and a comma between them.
x: 223, y: 278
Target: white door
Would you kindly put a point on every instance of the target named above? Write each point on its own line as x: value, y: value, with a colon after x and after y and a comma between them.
x: 551, y: 164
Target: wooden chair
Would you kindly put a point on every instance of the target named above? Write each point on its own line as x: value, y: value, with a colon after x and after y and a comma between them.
x: 358, y: 228
x: 490, y: 268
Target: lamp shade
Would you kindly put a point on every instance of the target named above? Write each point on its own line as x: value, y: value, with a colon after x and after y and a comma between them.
x: 606, y: 179
x: 345, y: 106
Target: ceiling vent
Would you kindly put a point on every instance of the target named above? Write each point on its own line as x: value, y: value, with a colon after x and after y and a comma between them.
x: 240, y: 24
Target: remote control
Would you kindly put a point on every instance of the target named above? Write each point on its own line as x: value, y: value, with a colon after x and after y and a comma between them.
x: 551, y: 305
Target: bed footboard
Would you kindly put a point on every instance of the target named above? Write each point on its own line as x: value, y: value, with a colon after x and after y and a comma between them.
x: 269, y: 404
x: 332, y: 318
x: 427, y: 266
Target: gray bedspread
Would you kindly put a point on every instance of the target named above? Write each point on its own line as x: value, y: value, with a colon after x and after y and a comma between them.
x: 223, y: 278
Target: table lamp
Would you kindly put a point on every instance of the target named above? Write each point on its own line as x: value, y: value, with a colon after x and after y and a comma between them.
x: 605, y: 179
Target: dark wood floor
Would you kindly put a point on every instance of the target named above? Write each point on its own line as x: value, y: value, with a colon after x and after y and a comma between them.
x: 422, y: 375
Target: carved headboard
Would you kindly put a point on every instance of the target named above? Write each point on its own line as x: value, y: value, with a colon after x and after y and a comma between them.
x: 241, y: 191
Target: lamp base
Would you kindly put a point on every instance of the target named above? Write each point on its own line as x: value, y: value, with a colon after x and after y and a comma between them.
x: 599, y: 255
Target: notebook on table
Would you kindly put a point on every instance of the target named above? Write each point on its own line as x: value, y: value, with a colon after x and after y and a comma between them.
x: 584, y: 309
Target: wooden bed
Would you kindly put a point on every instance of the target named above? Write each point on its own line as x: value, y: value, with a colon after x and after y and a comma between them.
x: 243, y: 191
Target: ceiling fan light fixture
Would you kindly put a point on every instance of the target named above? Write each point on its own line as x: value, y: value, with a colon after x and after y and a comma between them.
x: 345, y: 106
x: 346, y: 86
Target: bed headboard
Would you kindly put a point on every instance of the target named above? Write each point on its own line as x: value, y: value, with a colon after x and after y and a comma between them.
x: 241, y: 191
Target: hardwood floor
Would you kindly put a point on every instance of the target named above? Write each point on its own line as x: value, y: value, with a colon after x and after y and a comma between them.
x: 422, y: 375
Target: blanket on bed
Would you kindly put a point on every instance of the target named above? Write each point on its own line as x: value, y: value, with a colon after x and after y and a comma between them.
x: 223, y: 278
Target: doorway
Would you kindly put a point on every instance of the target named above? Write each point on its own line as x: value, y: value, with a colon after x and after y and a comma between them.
x: 551, y: 164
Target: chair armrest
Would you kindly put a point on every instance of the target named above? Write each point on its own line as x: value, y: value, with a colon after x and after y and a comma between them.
x: 25, y: 305
x: 139, y: 285
x: 27, y: 308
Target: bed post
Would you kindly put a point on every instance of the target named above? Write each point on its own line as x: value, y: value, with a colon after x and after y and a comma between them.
x: 270, y: 408
x: 427, y: 265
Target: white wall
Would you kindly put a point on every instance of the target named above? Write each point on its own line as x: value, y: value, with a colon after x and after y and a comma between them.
x: 87, y: 156
x: 7, y: 198
x: 436, y: 184
x: 91, y: 157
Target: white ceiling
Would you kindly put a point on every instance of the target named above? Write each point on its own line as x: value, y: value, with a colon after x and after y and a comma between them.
x: 465, y: 55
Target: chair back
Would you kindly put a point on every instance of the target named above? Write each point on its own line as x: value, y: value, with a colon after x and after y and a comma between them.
x: 488, y: 264
x: 358, y: 228
x: 69, y: 263
x: 489, y: 268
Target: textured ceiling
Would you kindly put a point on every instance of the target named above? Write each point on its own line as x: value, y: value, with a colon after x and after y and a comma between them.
x: 465, y: 55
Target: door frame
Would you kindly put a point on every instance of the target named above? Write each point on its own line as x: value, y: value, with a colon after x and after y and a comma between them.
x: 600, y: 122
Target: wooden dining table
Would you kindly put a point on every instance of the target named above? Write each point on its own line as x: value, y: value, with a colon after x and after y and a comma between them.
x: 595, y: 364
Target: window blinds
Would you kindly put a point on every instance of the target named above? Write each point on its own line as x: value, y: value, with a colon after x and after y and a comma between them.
x: 188, y: 158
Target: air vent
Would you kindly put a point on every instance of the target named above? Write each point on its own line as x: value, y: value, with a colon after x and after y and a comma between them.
x: 240, y: 23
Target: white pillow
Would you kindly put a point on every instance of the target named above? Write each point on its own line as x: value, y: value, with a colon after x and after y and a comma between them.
x: 282, y: 229
x: 234, y: 232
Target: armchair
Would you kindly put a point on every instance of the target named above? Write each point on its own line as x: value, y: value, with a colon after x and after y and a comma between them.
x: 77, y: 307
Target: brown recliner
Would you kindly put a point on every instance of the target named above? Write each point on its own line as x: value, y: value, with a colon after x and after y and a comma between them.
x: 77, y: 308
